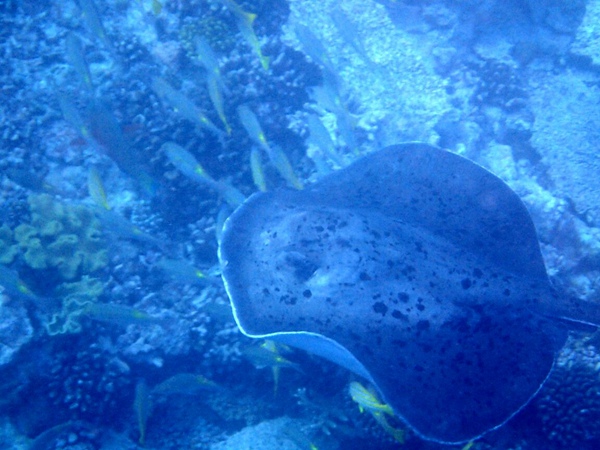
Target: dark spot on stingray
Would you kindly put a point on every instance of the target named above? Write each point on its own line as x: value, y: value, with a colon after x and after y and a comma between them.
x: 399, y: 343
x: 506, y: 292
x: 408, y: 270
x: 364, y: 276
x: 398, y: 315
x: 403, y: 297
x: 477, y: 273
x: 266, y: 291
x: 288, y: 299
x: 423, y: 325
x: 485, y: 325
x: 426, y: 348
x: 302, y: 267
x: 343, y: 243
x: 307, y: 293
x: 465, y: 283
x: 319, y: 229
x: 420, y: 307
x: 380, y: 308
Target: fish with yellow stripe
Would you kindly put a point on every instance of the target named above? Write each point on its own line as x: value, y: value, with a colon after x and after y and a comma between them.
x: 245, y: 21
x: 185, y: 162
x: 183, y: 106
x: 276, y: 155
x: 368, y: 401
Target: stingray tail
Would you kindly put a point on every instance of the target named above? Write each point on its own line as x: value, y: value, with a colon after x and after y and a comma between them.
x: 577, y: 314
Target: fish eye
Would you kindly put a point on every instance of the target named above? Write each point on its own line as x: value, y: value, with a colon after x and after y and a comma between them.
x: 301, y: 266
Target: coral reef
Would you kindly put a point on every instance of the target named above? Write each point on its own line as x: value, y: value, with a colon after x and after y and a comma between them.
x: 15, y: 331
x: 569, y: 404
x: 75, y: 296
x: 510, y: 84
x: 88, y: 384
x: 65, y: 238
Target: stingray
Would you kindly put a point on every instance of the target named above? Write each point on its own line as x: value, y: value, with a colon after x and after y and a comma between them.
x: 416, y: 269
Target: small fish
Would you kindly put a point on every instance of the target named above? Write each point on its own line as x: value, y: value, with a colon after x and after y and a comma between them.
x: 256, y: 166
x: 13, y: 285
x: 350, y: 35
x: 328, y: 98
x: 185, y: 162
x: 183, y: 105
x: 216, y: 96
x: 76, y: 58
x: 107, y: 131
x: 114, y: 223
x: 184, y: 383
x: 117, y: 225
x: 156, y: 7
x: 252, y: 127
x: 268, y: 354
x: 142, y: 405
x: 244, y: 21
x: 182, y: 271
x: 72, y: 116
x: 367, y: 401
x: 207, y: 57
x: 92, y: 20
x: 276, y: 155
x: 319, y: 136
x: 119, y: 314
x: 281, y: 162
x: 96, y: 189
x: 220, y: 312
x: 313, y: 47
x: 29, y: 180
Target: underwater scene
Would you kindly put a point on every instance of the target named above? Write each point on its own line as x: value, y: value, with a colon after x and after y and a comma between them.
x: 299, y: 224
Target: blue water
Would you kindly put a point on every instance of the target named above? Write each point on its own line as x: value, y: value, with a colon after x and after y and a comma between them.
x: 112, y: 301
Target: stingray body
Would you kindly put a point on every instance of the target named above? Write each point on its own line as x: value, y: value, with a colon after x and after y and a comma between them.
x: 416, y: 269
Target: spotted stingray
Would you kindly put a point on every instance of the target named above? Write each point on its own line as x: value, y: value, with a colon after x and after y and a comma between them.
x: 418, y: 270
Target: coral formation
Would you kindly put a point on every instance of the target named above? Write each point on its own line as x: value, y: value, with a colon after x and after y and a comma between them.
x: 569, y: 404
x: 62, y: 237
x: 75, y: 296
x: 89, y: 384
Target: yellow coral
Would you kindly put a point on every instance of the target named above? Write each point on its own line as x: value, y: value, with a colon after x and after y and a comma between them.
x: 63, y: 237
